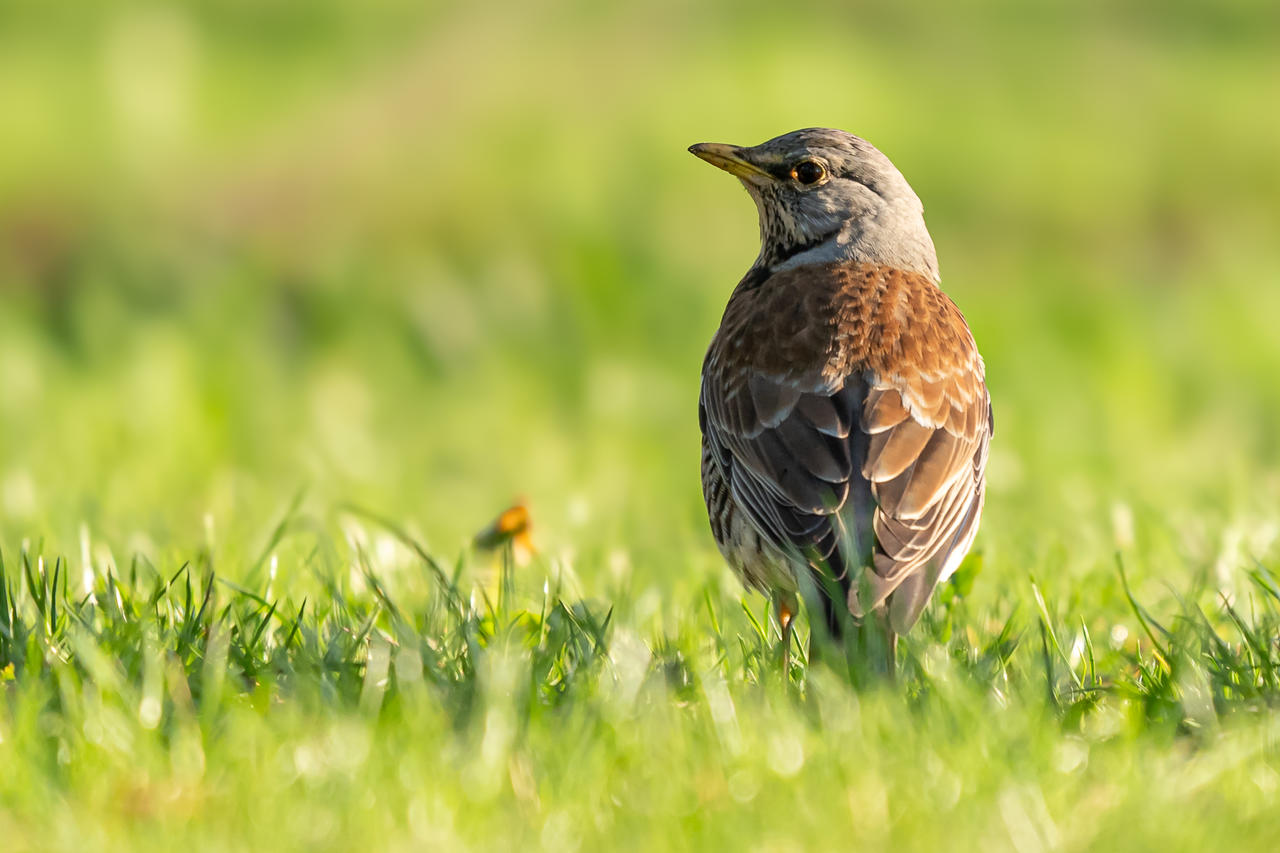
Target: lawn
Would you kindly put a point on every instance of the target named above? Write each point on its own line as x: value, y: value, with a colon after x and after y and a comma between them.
x: 295, y: 299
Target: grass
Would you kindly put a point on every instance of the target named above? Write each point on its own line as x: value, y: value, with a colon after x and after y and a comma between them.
x: 481, y: 704
x: 295, y: 298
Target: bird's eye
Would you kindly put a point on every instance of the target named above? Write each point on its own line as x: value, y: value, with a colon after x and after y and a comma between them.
x: 808, y: 172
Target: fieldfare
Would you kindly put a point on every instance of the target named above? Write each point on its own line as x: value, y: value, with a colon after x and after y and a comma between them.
x: 844, y: 411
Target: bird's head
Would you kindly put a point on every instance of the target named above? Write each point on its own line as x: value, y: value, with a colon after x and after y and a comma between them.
x: 826, y: 195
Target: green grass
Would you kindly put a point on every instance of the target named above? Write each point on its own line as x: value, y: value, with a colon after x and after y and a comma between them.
x: 152, y: 706
x: 295, y: 298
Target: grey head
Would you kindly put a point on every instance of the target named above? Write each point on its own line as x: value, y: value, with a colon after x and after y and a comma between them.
x: 826, y: 195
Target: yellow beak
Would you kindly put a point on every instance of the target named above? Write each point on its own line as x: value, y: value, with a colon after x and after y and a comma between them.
x: 727, y: 157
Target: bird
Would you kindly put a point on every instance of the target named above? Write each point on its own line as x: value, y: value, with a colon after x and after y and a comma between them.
x: 843, y: 406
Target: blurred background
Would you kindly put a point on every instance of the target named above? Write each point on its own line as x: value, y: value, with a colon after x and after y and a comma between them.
x: 427, y: 258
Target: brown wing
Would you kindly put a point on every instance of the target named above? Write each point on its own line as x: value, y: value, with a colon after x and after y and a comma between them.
x: 925, y: 464
x: 786, y: 456
x: 828, y: 388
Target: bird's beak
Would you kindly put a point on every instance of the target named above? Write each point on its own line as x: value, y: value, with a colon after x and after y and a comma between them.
x: 729, y: 158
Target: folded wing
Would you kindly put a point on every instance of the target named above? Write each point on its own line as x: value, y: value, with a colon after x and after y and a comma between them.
x: 860, y: 447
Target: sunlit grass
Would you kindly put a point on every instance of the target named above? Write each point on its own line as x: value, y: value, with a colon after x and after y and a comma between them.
x: 476, y: 702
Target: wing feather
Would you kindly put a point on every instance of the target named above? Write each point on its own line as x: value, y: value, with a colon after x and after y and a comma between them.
x: 884, y: 410
x: 894, y: 450
x: 826, y: 415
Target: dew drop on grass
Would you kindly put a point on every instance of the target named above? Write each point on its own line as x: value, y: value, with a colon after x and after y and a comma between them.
x: 149, y: 711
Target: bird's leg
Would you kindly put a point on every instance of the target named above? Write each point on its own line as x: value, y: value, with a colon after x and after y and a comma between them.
x: 786, y: 606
